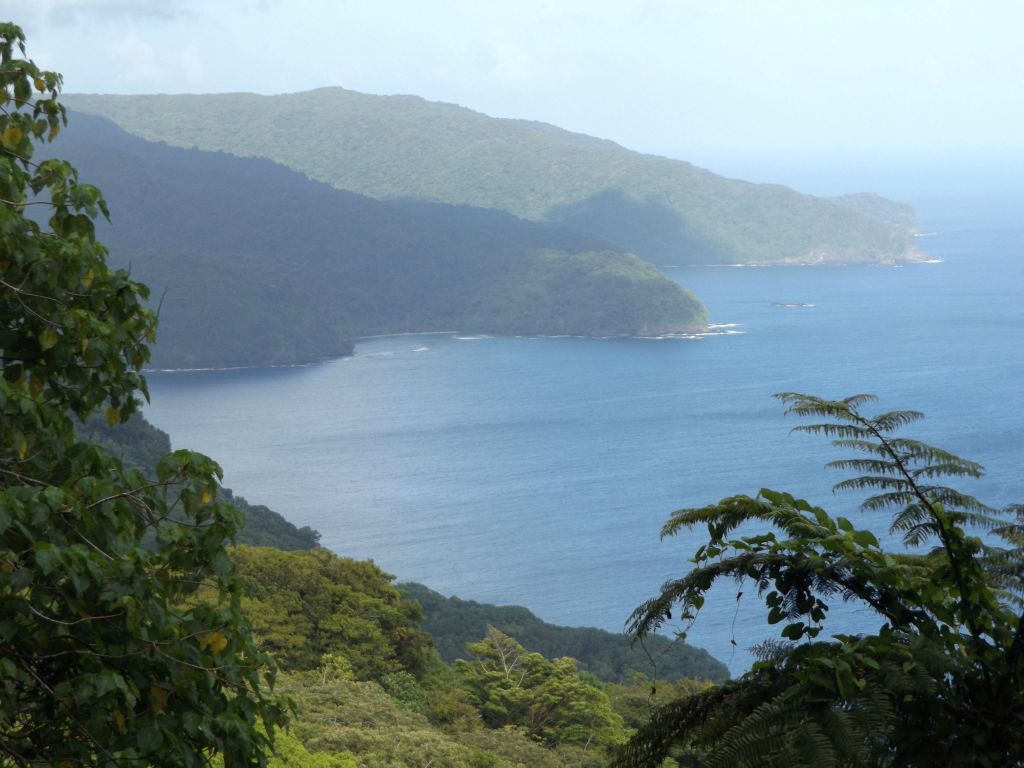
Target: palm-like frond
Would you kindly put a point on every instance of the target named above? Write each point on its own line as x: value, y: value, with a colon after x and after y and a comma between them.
x: 948, y: 660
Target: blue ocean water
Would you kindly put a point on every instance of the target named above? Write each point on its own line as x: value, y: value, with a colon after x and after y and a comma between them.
x: 538, y: 471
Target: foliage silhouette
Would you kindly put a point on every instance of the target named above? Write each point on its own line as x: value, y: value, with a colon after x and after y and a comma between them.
x: 939, y: 684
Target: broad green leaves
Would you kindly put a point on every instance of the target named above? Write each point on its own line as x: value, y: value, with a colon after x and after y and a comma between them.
x: 106, y: 658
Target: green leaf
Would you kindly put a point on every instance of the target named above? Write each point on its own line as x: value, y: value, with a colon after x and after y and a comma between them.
x: 865, y: 538
x: 793, y: 631
x: 47, y: 557
x: 48, y: 340
x: 11, y: 136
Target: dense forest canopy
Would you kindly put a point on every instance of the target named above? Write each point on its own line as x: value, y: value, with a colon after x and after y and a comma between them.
x: 666, y: 211
x: 143, y: 622
x: 252, y: 263
x: 454, y: 623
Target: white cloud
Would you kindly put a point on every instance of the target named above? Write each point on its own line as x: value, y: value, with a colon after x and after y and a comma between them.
x: 511, y: 65
x: 135, y: 61
x: 190, y: 65
x: 63, y: 12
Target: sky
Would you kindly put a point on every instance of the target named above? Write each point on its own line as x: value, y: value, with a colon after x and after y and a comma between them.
x: 756, y: 88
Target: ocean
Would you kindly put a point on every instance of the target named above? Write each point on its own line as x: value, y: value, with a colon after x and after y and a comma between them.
x: 538, y: 471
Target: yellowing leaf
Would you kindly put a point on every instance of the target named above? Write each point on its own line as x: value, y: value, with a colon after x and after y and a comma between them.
x: 87, y: 280
x: 11, y: 136
x: 85, y: 344
x: 207, y: 496
x: 113, y: 416
x: 48, y: 339
x: 119, y: 720
x: 35, y: 386
x: 22, y: 449
x: 215, y: 641
x: 159, y: 696
x: 40, y: 84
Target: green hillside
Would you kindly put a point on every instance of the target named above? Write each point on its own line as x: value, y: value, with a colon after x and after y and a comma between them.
x: 139, y: 445
x: 253, y: 263
x: 454, y: 623
x: 878, y: 207
x: 666, y: 211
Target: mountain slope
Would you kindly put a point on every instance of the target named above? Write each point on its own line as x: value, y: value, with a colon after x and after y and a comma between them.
x: 261, y: 265
x: 139, y: 445
x: 453, y: 623
x: 667, y: 211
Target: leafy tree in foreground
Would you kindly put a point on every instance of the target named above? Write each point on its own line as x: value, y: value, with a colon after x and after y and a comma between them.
x: 99, y: 662
x: 549, y: 699
x: 942, y: 681
x: 306, y: 605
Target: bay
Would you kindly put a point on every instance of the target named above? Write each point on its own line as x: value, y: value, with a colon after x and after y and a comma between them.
x: 538, y: 471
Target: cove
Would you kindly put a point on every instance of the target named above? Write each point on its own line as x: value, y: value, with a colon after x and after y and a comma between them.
x: 539, y: 471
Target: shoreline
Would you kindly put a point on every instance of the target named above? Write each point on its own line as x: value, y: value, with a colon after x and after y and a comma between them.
x: 710, y: 330
x: 768, y: 264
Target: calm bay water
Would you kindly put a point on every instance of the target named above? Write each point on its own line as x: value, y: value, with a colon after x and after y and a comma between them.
x: 538, y: 471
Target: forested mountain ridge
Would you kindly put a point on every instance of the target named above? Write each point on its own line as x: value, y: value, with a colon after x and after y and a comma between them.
x: 666, y: 211
x: 878, y: 207
x: 454, y: 623
x: 260, y: 265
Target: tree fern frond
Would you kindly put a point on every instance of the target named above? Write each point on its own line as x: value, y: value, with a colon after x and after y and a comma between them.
x: 810, y: 746
x: 688, y: 591
x: 794, y: 516
x: 915, y: 450
x: 875, y: 466
x: 682, y: 721
x: 725, y: 516
x: 947, y: 469
x: 772, y: 649
x: 893, y: 420
x: 952, y: 499
x: 757, y: 739
x: 839, y: 431
x: 910, y: 516
x: 918, y: 534
x: 887, y: 500
x: 1012, y: 532
x: 804, y: 405
x: 943, y: 677
x: 864, y: 446
x: 873, y: 481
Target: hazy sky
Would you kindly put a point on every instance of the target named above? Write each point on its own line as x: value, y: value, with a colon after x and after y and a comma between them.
x: 698, y: 80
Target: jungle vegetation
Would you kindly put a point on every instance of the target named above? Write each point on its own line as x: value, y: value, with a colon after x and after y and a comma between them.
x: 253, y: 264
x: 104, y: 654
x: 135, y: 628
x: 941, y: 682
x: 665, y: 211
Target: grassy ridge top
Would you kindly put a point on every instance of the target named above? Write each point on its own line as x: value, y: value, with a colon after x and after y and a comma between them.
x: 262, y: 265
x: 667, y: 211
